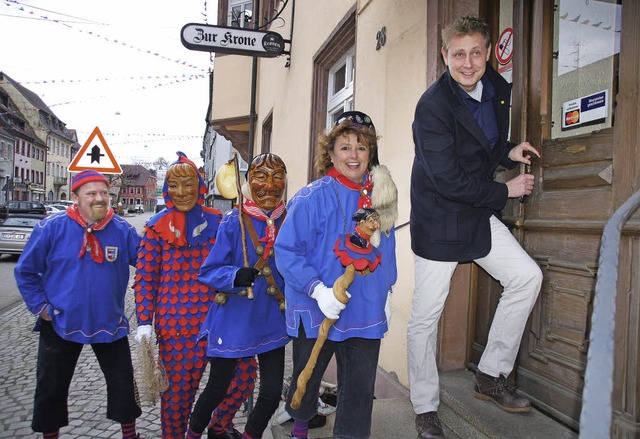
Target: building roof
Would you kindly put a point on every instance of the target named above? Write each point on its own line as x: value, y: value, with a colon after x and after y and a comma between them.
x: 47, y: 116
x: 136, y: 175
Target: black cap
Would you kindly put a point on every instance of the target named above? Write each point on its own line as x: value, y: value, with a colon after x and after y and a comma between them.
x: 357, y: 118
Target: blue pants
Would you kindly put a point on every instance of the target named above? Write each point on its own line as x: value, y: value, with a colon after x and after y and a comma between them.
x: 57, y: 359
x: 357, y: 361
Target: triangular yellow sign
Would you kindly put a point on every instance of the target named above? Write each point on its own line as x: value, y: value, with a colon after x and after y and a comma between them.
x: 96, y: 155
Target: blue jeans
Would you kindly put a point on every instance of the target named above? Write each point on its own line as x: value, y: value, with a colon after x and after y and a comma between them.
x: 357, y: 361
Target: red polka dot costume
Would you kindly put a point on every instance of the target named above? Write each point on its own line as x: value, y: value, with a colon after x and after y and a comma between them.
x: 169, y: 296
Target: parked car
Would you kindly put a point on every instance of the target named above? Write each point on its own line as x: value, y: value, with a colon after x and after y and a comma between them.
x: 53, y: 208
x: 34, y: 207
x: 159, y: 207
x: 138, y: 208
x: 64, y: 203
x: 15, y: 231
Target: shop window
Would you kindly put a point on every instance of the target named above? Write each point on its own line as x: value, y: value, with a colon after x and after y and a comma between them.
x: 586, y: 48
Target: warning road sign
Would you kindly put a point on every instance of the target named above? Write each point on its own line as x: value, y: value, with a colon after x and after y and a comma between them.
x: 96, y: 155
x: 504, y: 48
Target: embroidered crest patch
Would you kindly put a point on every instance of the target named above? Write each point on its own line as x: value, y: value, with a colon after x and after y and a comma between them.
x: 111, y: 253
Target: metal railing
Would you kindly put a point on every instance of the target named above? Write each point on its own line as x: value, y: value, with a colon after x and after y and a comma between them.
x: 595, y: 418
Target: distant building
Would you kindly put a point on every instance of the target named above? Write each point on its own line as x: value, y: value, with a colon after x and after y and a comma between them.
x: 22, y: 154
x: 47, y: 150
x: 136, y: 185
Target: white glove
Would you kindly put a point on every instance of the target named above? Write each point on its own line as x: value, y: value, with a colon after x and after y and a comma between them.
x: 144, y: 331
x: 329, y: 305
x: 387, y: 308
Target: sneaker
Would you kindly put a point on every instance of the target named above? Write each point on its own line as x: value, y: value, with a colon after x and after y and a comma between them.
x: 429, y: 426
x: 325, y: 409
x: 501, y: 393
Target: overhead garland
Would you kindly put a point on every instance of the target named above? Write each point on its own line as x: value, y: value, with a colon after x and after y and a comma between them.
x: 132, y: 78
x: 25, y: 8
x: 144, y: 137
x: 92, y: 98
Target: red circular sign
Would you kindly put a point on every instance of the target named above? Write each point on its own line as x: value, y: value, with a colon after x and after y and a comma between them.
x: 504, y: 48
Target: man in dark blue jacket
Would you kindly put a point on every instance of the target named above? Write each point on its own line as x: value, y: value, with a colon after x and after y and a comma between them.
x: 460, y: 132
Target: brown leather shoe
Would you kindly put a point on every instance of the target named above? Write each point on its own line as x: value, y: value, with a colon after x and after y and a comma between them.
x: 501, y: 393
x: 428, y: 426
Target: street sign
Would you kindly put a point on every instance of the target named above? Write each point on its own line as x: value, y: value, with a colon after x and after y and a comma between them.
x: 96, y: 155
x: 223, y: 39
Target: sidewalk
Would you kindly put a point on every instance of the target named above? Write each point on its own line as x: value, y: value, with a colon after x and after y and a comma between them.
x: 463, y: 416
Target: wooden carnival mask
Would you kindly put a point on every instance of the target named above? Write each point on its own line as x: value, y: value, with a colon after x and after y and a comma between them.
x: 267, y: 177
x: 182, y: 186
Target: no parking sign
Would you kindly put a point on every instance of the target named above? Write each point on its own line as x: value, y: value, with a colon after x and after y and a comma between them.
x: 504, y: 48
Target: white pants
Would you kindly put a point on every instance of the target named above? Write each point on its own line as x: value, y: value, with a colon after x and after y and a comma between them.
x: 520, y: 277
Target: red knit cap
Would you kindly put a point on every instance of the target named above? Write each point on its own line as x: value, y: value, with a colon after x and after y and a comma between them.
x: 86, y: 177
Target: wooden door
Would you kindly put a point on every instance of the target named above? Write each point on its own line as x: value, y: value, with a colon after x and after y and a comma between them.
x: 560, y: 225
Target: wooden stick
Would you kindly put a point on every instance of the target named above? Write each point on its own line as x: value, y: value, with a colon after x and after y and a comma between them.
x: 339, y: 290
x: 245, y: 253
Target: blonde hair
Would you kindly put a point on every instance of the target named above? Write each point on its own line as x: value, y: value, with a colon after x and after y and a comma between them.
x: 326, y: 142
x: 470, y: 24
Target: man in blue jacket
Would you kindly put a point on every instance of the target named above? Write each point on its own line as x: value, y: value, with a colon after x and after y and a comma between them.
x: 73, y: 275
x: 460, y: 132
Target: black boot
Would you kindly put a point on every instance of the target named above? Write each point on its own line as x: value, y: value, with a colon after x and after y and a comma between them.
x: 428, y: 426
x: 233, y: 434
x: 501, y: 393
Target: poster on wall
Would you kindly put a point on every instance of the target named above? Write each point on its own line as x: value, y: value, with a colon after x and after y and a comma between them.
x: 586, y: 110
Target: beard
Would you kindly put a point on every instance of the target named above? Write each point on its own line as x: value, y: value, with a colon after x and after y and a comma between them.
x: 98, y: 211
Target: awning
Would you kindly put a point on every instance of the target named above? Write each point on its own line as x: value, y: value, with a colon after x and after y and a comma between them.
x: 235, y: 130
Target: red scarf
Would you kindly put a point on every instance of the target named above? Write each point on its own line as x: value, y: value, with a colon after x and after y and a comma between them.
x: 365, y: 189
x: 90, y: 242
x: 253, y: 210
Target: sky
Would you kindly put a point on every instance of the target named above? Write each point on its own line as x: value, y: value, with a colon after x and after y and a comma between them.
x: 117, y: 65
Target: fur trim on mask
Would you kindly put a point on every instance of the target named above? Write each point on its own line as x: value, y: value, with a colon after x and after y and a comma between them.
x: 246, y: 191
x: 385, y: 197
x: 384, y: 200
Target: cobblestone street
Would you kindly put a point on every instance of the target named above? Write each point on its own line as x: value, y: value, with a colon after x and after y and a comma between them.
x: 87, y: 396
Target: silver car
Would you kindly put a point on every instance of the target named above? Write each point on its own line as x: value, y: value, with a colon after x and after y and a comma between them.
x: 15, y: 231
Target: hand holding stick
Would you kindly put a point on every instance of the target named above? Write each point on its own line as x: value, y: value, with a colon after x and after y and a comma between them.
x: 340, y: 291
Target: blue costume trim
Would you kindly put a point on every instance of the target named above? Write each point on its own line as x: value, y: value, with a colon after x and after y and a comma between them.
x: 241, y: 327
x: 317, y: 215
x: 87, y: 297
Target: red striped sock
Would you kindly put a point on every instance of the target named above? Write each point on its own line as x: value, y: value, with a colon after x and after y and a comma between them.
x: 193, y: 435
x: 217, y: 429
x: 129, y: 430
x: 300, y: 429
x: 51, y: 435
